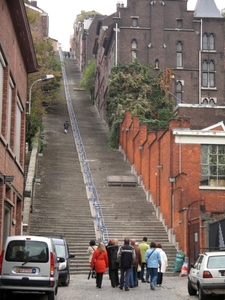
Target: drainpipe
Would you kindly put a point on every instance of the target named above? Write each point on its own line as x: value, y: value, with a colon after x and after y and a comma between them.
x: 116, y: 42
x: 200, y: 67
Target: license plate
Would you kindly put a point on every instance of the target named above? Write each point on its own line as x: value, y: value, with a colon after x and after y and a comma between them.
x: 27, y: 270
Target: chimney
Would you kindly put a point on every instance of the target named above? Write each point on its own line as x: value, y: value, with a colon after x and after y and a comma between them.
x: 34, y: 3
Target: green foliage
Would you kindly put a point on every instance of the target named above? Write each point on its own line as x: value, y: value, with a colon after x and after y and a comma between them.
x: 131, y: 87
x: 32, y: 15
x: 87, y: 80
x: 44, y: 94
x: 223, y: 12
x: 113, y: 135
x: 85, y: 15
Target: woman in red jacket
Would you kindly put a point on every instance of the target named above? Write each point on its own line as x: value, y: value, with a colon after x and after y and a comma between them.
x: 100, y: 263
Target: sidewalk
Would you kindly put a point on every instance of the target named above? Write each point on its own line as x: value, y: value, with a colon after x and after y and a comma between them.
x: 80, y: 288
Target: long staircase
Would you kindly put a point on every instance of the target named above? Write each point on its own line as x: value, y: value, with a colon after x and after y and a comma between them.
x: 61, y: 205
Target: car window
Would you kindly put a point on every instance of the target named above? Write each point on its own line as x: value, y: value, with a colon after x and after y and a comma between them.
x: 60, y: 250
x: 27, y: 251
x: 215, y: 262
x: 198, y: 262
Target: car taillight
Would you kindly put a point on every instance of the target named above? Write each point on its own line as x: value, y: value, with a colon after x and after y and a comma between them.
x: 207, y: 274
x: 1, y: 261
x: 52, y: 265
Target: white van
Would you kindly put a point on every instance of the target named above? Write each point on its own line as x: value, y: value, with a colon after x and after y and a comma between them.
x: 29, y: 263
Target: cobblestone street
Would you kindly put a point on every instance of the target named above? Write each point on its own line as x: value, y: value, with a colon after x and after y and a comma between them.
x: 80, y: 288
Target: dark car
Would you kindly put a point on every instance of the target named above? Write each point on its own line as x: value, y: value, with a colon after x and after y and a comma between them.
x: 62, y: 250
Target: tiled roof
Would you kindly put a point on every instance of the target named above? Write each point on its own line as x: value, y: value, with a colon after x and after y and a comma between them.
x: 207, y: 9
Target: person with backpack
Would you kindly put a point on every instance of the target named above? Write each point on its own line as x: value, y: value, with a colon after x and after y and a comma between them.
x: 153, y: 262
x: 112, y: 250
x: 99, y: 262
x: 91, y: 249
x: 143, y: 246
x: 125, y: 258
x: 66, y: 126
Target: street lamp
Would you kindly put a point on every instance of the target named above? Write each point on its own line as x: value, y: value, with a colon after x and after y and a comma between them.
x: 44, y: 78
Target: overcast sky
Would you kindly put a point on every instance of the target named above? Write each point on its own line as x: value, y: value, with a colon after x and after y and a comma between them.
x: 63, y: 13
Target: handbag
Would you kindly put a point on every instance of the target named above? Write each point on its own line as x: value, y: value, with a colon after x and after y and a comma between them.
x: 139, y: 268
x: 92, y: 272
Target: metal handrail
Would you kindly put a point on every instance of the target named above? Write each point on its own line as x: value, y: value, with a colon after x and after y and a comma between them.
x: 88, y: 179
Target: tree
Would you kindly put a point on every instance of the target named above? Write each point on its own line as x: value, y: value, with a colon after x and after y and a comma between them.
x: 44, y: 94
x: 131, y: 87
x: 87, y: 81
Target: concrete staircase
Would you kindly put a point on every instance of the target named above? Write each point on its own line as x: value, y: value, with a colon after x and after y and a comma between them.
x: 61, y: 206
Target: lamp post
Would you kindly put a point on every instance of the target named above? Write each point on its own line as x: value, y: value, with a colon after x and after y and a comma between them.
x: 44, y: 78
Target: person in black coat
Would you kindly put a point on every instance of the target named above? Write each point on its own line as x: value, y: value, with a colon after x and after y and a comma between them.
x: 112, y: 249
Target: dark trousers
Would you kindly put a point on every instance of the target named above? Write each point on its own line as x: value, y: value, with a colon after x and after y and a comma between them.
x: 99, y: 277
x: 143, y: 267
x: 160, y: 278
x: 114, y: 277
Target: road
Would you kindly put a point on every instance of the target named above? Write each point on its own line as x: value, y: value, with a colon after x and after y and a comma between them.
x: 80, y: 288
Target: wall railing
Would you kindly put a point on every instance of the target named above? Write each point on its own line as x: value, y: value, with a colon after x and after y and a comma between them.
x: 102, y: 232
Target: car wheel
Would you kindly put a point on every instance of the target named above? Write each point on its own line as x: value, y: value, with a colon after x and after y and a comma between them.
x: 67, y: 282
x: 201, y: 295
x: 220, y: 297
x: 51, y: 295
x: 2, y: 294
x: 191, y: 290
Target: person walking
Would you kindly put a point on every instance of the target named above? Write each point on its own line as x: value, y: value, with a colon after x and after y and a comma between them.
x: 143, y: 246
x: 91, y: 248
x: 125, y: 258
x: 66, y: 126
x: 100, y: 262
x: 153, y: 261
x: 164, y: 264
x: 112, y: 250
x: 137, y: 261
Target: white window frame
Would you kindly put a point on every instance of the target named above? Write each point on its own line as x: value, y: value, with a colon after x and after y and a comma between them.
x: 179, y: 54
x: 18, y: 128
x: 208, y: 74
x: 213, y: 165
x: 2, y: 66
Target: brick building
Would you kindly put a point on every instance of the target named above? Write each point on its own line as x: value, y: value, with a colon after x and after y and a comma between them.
x: 84, y: 37
x: 39, y: 27
x: 181, y: 168
x: 183, y: 174
x: 164, y: 34
x: 17, y: 60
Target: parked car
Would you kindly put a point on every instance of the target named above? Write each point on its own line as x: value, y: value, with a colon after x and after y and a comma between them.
x: 62, y: 250
x: 207, y: 275
x: 29, y: 263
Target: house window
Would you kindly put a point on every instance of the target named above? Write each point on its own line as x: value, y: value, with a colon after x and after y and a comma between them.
x: 2, y: 65
x: 134, y: 22
x: 212, y: 101
x: 133, y: 55
x: 179, y: 54
x: 179, y: 91
x: 208, y: 41
x: 208, y: 74
x: 179, y: 24
x: 9, y: 110
x: 205, y: 101
x: 18, y: 127
x: 213, y: 165
x: 134, y: 44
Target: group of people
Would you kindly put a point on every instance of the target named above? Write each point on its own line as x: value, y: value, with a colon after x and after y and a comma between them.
x: 143, y: 261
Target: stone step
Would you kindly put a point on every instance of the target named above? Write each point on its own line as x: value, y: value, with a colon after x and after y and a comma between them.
x: 61, y: 206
